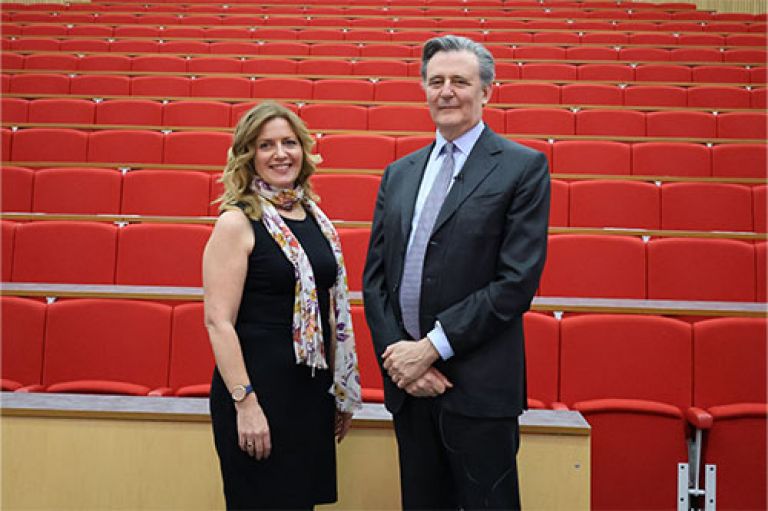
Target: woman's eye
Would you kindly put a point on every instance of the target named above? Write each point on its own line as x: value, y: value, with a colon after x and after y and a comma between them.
x: 292, y: 143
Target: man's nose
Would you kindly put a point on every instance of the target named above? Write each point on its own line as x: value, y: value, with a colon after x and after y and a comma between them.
x: 446, y: 89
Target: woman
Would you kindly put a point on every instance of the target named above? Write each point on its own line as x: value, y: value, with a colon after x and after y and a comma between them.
x: 277, y: 313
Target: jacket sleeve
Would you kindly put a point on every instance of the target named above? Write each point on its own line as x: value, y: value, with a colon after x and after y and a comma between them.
x: 519, y: 263
x: 379, y: 309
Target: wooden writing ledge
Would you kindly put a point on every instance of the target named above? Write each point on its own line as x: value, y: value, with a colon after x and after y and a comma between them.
x: 209, y: 220
x: 540, y: 303
x: 373, y: 415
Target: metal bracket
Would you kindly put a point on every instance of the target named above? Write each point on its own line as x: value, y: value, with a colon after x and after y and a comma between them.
x: 683, y: 501
x: 710, y: 488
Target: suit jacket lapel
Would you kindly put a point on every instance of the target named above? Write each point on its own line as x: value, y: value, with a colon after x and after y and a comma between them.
x: 410, y: 187
x: 478, y: 165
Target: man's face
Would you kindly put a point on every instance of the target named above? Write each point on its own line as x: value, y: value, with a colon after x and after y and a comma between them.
x: 455, y: 94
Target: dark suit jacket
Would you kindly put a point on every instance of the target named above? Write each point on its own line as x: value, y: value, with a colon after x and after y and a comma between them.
x: 481, y: 270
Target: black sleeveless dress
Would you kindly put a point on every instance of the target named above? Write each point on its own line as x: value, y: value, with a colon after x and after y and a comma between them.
x: 301, y: 470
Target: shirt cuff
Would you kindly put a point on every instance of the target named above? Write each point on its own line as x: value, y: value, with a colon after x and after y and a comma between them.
x: 440, y: 341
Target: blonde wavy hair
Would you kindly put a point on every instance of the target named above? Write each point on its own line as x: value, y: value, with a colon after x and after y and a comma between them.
x: 240, y: 170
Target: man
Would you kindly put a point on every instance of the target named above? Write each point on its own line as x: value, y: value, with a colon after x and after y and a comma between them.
x: 457, y: 247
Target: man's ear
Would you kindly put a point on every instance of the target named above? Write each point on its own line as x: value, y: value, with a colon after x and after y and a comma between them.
x: 487, y: 94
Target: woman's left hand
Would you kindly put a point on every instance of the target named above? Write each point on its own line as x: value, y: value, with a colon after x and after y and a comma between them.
x: 343, y: 422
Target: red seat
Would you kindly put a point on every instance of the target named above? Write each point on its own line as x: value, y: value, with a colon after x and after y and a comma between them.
x: 145, y: 192
x: 386, y: 50
x: 8, y: 230
x: 5, y: 147
x: 591, y: 157
x: 400, y: 118
x: 202, y: 114
x: 701, y: 269
x: 760, y: 207
x: 17, y: 185
x: 291, y: 88
x: 529, y: 93
x: 220, y: 87
x: 612, y: 72
x: 184, y: 47
x: 594, y: 266
x: 72, y: 111
x: 546, y: 71
x: 348, y: 197
x: 192, y: 361
x: 23, y: 327
x: 77, y: 190
x: 638, y: 431
x: 544, y: 121
x: 739, y: 160
x: 539, y: 52
x: 695, y: 55
x: 43, y: 144
x: 354, y: 244
x: 214, y: 65
x: 407, y: 145
x: 625, y: 123
x: 334, y: 49
x: 49, y: 62
x: 718, y: 97
x: 761, y: 265
x: 138, y: 112
x: 287, y: 49
x: 720, y: 74
x: 34, y: 83
x: 34, y: 44
x: 671, y: 159
x: 595, y: 53
x: 729, y: 375
x: 164, y: 63
x: 160, y: 86
x: 125, y: 146
x: 322, y: 116
x: 197, y: 148
x: 742, y: 125
x: 644, y: 54
x: 107, y: 346
x: 356, y: 151
x: 662, y: 73
x: 745, y: 56
x: 179, y: 263
x: 681, y: 124
x: 370, y: 373
x: 64, y: 252
x: 559, y: 203
x: 399, y: 90
x: 324, y: 67
x: 591, y: 94
x: 270, y: 66
x: 542, y: 357
x: 100, y: 85
x: 348, y: 90
x: 380, y: 68
x: 706, y: 207
x: 628, y: 204
x: 134, y: 46
x: 112, y: 63
x: 653, y: 95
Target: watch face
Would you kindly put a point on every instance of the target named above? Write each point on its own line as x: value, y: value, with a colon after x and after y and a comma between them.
x: 238, y: 394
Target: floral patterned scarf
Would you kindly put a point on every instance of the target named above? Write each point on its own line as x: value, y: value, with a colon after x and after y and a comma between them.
x: 307, y: 325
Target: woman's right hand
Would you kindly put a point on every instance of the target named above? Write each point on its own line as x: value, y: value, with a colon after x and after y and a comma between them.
x: 253, y: 429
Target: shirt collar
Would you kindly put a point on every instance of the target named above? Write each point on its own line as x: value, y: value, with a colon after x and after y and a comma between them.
x: 464, y: 143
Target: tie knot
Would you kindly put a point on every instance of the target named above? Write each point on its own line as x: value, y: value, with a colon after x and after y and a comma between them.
x: 448, y: 148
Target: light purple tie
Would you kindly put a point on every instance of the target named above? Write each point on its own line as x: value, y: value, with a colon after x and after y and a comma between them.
x: 410, y: 286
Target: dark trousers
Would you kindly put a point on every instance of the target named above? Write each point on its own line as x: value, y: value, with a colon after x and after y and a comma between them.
x: 451, y: 461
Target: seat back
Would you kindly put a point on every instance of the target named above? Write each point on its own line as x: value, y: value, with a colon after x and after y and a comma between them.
x: 23, y: 327
x: 192, y: 358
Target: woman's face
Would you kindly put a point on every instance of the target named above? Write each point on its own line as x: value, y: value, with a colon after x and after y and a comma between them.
x: 279, y: 154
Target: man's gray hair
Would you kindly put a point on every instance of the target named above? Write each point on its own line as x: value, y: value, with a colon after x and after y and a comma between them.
x: 458, y: 43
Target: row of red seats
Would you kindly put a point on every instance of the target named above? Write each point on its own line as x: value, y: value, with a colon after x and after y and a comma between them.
x: 508, y: 51
x: 577, y: 265
x: 351, y: 90
x: 351, y: 197
x: 384, y: 67
x: 716, y: 366
x: 324, y: 116
x: 324, y: 5
x: 421, y: 17
x: 375, y: 152
x: 574, y: 36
